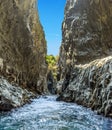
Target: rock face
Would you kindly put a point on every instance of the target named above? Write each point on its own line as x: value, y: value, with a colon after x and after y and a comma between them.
x: 22, y: 44
x: 12, y: 96
x: 90, y: 85
x: 85, y: 73
x: 22, y: 53
x: 51, y: 82
x: 86, y: 31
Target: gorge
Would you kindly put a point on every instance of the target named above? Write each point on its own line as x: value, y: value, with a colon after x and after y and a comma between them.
x: 84, y: 77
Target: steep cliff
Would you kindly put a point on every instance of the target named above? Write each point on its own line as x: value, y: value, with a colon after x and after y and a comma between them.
x: 22, y: 53
x: 85, y: 74
x: 22, y: 44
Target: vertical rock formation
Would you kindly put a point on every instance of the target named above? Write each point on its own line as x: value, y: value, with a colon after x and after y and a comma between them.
x: 86, y: 31
x: 86, y: 36
x: 22, y: 44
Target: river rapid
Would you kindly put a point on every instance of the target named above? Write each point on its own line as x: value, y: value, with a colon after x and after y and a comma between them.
x: 46, y: 113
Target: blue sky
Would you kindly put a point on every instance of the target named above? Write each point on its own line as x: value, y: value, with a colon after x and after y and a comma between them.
x: 51, y: 14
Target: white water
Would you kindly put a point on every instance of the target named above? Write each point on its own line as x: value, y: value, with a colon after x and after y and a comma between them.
x: 46, y: 113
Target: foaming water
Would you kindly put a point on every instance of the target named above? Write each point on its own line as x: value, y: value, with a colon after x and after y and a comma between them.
x: 46, y: 113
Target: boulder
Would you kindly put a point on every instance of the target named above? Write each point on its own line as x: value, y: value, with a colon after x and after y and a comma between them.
x: 12, y: 96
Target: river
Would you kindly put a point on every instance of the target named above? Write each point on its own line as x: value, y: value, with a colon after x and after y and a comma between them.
x: 46, y: 113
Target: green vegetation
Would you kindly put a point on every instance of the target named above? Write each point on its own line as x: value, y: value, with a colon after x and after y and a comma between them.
x: 52, y: 64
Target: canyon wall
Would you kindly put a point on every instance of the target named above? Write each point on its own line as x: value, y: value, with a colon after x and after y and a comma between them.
x: 22, y: 53
x: 22, y: 45
x: 85, y: 63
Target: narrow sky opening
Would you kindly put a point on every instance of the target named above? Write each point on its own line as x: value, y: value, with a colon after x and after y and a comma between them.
x: 51, y: 13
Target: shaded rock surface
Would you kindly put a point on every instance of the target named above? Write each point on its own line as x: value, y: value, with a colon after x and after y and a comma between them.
x: 84, y: 63
x: 12, y: 96
x: 22, y: 45
x: 22, y: 53
x: 51, y: 83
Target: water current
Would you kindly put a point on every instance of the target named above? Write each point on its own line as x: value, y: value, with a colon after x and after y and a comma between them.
x: 46, y: 113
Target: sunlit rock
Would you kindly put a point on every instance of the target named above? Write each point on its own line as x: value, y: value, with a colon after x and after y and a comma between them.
x: 12, y: 96
x: 85, y: 63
